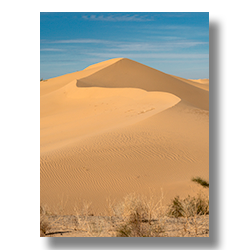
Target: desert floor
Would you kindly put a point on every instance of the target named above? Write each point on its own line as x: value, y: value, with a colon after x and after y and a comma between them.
x: 106, y: 226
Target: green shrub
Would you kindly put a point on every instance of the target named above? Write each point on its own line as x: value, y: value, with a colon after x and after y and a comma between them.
x: 200, y: 181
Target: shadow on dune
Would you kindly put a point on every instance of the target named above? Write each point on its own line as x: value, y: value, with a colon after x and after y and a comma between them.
x: 127, y: 73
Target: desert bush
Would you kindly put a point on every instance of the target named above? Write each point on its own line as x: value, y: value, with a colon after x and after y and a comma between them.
x: 176, y: 209
x: 188, y: 207
x: 138, y: 218
x: 45, y: 225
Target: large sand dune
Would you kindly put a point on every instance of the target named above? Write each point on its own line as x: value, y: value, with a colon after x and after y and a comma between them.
x: 119, y: 127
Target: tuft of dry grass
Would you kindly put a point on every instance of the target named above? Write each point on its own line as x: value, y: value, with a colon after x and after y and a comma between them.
x: 188, y: 207
x: 139, y: 216
x: 45, y: 225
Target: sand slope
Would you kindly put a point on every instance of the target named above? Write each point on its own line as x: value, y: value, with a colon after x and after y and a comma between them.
x: 200, y: 83
x: 70, y: 113
x: 128, y: 73
x: 119, y: 127
x: 58, y: 82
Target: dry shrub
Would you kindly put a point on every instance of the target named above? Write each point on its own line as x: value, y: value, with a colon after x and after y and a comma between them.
x: 81, y: 215
x: 139, y: 216
x: 188, y: 207
x: 45, y: 225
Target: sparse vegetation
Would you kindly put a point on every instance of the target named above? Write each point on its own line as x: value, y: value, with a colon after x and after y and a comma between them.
x: 45, y: 225
x: 189, y: 207
x: 135, y: 216
x: 176, y: 208
x: 138, y: 218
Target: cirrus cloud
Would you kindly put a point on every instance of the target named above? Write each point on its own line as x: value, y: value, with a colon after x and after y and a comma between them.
x: 117, y: 17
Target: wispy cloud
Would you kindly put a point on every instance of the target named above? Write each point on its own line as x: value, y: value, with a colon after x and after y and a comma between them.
x: 78, y: 41
x: 118, y: 17
x: 131, y: 46
x: 151, y: 55
x: 52, y: 49
x: 155, y: 46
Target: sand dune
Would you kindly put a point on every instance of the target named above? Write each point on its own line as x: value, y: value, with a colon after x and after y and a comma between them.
x: 118, y: 127
x: 128, y: 73
x: 58, y: 82
x: 201, y: 83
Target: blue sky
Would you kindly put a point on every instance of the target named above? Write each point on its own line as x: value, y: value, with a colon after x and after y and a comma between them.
x: 175, y: 43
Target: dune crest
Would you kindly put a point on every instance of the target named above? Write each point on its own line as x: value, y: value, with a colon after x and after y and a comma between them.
x: 131, y: 74
x: 119, y: 127
x: 202, y: 81
x: 52, y: 84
